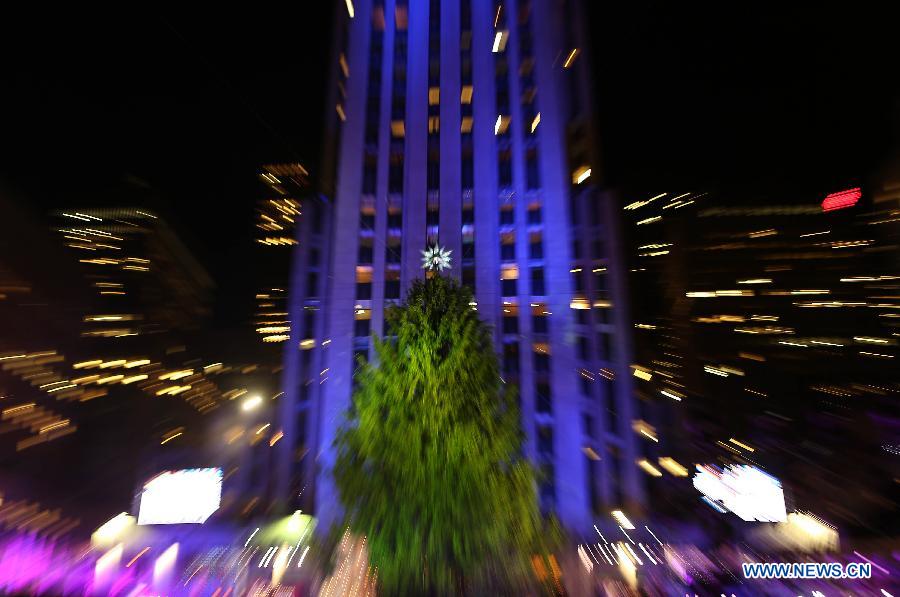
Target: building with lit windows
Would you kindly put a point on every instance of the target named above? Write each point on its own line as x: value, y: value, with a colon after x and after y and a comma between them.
x: 467, y: 124
x: 766, y: 334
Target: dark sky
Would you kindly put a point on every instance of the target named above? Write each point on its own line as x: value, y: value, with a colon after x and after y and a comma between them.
x: 689, y: 95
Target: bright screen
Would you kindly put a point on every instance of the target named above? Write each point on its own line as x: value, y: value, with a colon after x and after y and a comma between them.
x: 188, y: 496
x: 745, y: 490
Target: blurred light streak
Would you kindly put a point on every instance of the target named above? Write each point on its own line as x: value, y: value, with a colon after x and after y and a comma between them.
x: 350, y: 10
x: 135, y: 558
x: 302, y: 557
x: 841, y: 199
x: 168, y: 439
x: 654, y: 534
x: 250, y: 538
x: 649, y: 468
x: 742, y: 445
x: 571, y: 58
x: 620, y: 518
x: 263, y: 428
x: 672, y: 467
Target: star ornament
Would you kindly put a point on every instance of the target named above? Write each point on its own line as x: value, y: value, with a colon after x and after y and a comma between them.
x: 436, y: 258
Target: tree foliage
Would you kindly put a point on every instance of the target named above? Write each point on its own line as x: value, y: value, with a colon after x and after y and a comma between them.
x: 429, y: 465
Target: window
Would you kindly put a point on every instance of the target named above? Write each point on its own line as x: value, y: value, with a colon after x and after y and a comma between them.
x: 508, y: 287
x: 581, y: 316
x: 432, y: 217
x: 314, y: 256
x: 507, y: 217
x: 434, y: 170
x: 362, y: 328
x: 508, y: 252
x: 585, y: 386
x: 392, y: 254
x: 539, y: 324
x: 364, y: 291
x: 578, y: 283
x: 510, y: 324
x: 534, y: 216
x: 584, y: 348
x: 468, y: 278
x: 537, y: 281
x: 309, y: 320
x: 365, y: 254
x: 606, y: 344
x: 587, y: 423
x: 599, y: 252
x: 395, y: 220
x: 545, y: 441
x: 511, y: 358
x: 468, y: 248
x: 392, y: 284
x: 576, y: 249
x: 392, y: 289
x: 368, y: 184
x: 395, y: 173
x: 532, y: 172
x: 541, y: 362
x: 367, y: 221
x: 468, y: 170
x: 312, y: 284
x: 544, y: 401
x: 468, y: 215
x: 536, y: 249
x: 504, y: 159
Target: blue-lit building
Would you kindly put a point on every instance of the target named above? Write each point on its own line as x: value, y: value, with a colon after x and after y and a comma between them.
x: 467, y: 124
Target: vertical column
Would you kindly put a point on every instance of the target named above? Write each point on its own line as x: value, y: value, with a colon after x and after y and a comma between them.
x: 416, y: 159
x: 381, y: 187
x: 335, y: 395
x: 571, y: 465
x: 451, y: 168
x: 487, y: 241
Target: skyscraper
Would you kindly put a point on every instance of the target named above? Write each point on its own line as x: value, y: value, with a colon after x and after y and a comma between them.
x: 467, y: 124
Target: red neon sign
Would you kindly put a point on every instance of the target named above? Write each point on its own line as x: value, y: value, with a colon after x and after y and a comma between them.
x: 841, y: 200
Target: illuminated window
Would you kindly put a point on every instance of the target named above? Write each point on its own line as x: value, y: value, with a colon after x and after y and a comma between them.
x: 398, y: 129
x: 434, y: 124
x: 465, y: 95
x: 401, y: 17
x: 500, y: 39
x: 501, y: 125
x: 465, y: 125
x: 434, y: 96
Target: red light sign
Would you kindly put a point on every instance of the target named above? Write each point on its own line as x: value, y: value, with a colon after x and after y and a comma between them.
x: 841, y: 200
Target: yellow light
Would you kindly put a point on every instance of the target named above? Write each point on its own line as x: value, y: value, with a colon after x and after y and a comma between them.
x: 86, y: 364
x: 756, y: 281
x: 307, y: 343
x: 350, y: 10
x: 465, y: 94
x: 134, y: 378
x: 277, y: 436
x: 109, y: 364
x: 649, y: 220
x: 642, y: 374
x: 622, y: 520
x: 138, y: 363
x: 649, y: 468
x: 571, y: 57
x: 170, y: 438
x: 52, y: 426
x: 465, y: 125
x: 673, y: 467
x: 113, y: 530
x: 501, y: 125
x: 110, y: 379
x: 535, y: 122
x: 742, y: 445
x: 251, y: 403
x: 173, y: 375
x: 500, y: 41
x: 434, y: 96
x: 581, y: 174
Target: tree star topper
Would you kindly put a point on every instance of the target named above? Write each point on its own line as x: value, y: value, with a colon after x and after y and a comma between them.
x: 436, y: 258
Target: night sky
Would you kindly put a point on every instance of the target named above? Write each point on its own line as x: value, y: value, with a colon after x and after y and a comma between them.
x: 689, y: 96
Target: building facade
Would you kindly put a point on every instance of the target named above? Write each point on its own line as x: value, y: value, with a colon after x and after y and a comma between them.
x: 766, y: 335
x: 467, y: 125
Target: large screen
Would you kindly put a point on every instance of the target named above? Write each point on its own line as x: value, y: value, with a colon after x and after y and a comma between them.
x: 187, y: 496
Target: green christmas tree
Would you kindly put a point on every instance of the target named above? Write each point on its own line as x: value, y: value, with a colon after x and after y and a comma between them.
x: 430, y: 467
